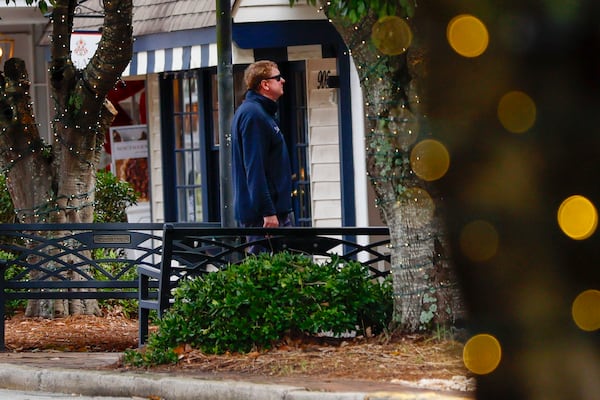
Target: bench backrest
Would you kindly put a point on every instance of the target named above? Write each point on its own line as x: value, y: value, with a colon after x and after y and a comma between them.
x: 191, y: 250
x: 50, y: 260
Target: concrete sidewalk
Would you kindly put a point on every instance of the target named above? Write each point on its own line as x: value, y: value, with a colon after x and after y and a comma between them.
x: 93, y: 374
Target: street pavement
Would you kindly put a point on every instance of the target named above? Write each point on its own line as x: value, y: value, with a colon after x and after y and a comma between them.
x: 90, y: 374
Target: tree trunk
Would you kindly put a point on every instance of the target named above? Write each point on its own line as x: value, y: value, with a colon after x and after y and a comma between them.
x: 56, y: 183
x: 425, y: 288
x: 25, y: 160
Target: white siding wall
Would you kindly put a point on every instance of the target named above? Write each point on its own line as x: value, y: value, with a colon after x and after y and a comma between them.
x: 324, y: 152
x: 273, y: 10
x: 155, y: 161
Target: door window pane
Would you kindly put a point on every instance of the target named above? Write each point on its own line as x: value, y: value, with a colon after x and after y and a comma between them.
x: 188, y: 164
x: 302, y: 187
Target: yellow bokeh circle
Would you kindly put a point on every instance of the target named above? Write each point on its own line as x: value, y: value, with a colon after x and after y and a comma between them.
x: 479, y: 241
x: 577, y: 217
x: 516, y: 112
x: 586, y: 310
x: 482, y: 354
x: 467, y: 35
x: 391, y: 35
x: 430, y: 160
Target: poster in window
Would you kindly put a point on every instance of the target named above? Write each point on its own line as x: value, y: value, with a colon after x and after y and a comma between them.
x: 129, y: 145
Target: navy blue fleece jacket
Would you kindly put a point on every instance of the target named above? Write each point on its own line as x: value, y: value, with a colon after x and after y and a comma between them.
x: 262, y: 176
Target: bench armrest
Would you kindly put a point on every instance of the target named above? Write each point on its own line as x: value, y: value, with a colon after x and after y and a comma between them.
x: 149, y: 271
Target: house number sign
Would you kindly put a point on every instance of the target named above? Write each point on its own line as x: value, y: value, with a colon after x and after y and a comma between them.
x: 322, y: 79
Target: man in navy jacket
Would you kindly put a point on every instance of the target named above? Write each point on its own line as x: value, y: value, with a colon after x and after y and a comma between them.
x: 262, y: 176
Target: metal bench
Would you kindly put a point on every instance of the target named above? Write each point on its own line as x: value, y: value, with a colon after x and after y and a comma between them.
x: 55, y: 261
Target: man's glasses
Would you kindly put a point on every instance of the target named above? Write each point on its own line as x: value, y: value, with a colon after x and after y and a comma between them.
x: 276, y: 77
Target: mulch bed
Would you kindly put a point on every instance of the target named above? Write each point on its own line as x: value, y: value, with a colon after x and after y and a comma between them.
x: 405, y: 358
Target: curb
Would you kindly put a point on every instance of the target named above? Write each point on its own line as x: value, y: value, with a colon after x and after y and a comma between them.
x: 103, y: 383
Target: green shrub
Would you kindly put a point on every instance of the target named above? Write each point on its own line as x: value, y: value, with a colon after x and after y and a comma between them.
x: 113, y: 196
x: 7, y: 211
x: 127, y: 307
x: 7, y: 216
x: 255, y: 303
x: 11, y: 271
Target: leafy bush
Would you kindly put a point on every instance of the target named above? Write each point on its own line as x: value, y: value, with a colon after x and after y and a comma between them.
x: 113, y: 196
x: 7, y: 216
x: 126, y: 307
x: 11, y: 271
x: 255, y: 303
x: 7, y: 211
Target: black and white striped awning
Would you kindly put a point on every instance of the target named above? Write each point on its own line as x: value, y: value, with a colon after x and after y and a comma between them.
x: 205, y: 55
x: 174, y: 59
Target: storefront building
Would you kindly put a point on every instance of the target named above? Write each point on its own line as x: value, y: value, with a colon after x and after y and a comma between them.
x: 168, y: 103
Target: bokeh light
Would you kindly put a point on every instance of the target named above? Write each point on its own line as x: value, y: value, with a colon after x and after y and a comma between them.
x: 479, y: 241
x: 482, y: 354
x: 577, y: 217
x: 430, y: 160
x: 516, y: 112
x: 467, y: 35
x: 391, y: 35
x: 586, y: 310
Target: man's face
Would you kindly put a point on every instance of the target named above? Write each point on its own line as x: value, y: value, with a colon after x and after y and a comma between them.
x: 272, y: 87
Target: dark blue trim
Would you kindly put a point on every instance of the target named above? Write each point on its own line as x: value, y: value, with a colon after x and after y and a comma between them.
x: 133, y: 66
x: 167, y: 40
x: 168, y: 59
x: 150, y: 61
x: 187, y: 56
x: 248, y: 36
x: 346, y: 148
x: 258, y: 35
x: 201, y: 90
x: 204, y: 54
x: 168, y: 150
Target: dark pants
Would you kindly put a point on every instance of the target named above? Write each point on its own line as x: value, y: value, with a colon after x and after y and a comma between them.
x: 285, y: 220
